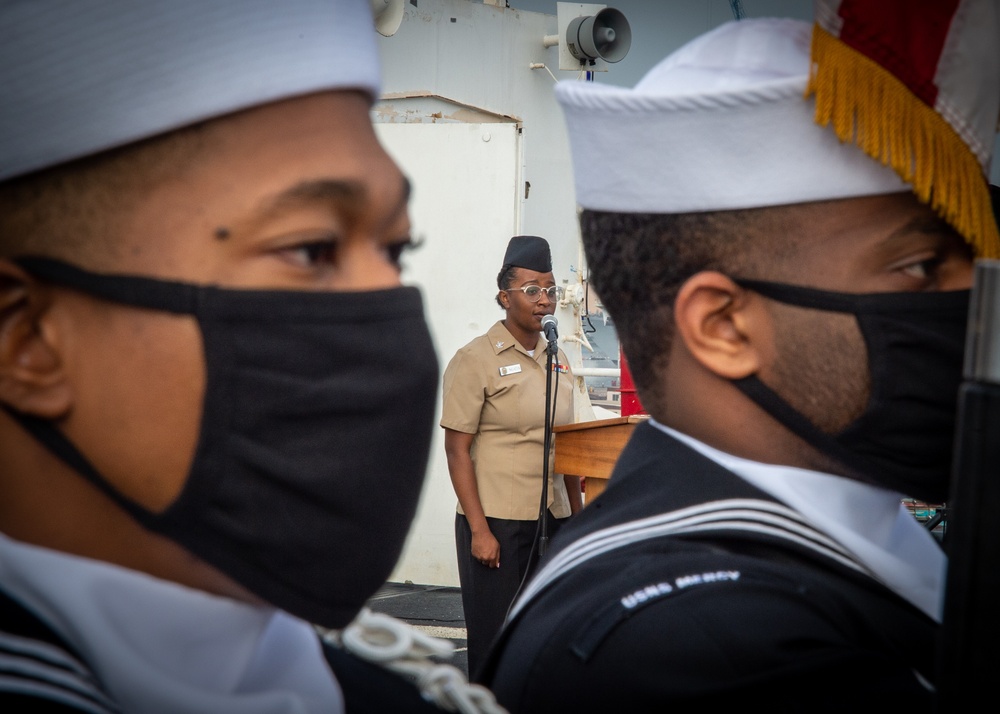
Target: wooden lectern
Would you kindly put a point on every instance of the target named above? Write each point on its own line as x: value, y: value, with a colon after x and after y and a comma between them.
x: 589, y: 449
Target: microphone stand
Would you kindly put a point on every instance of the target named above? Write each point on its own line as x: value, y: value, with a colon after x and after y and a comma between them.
x: 541, y: 531
x: 551, y: 350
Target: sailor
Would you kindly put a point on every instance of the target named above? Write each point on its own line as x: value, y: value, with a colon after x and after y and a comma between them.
x: 493, y: 415
x: 217, y: 398
x: 792, y: 299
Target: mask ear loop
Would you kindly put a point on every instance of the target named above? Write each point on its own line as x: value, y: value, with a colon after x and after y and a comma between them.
x: 178, y: 298
x: 56, y: 442
x: 769, y: 400
x: 857, y: 303
x: 154, y: 294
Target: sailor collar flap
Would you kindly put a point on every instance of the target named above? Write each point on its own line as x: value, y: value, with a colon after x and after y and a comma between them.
x: 678, y: 507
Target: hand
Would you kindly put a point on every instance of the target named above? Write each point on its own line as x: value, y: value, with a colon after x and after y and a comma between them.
x: 486, y: 549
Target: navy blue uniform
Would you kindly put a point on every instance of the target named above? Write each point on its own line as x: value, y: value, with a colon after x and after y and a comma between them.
x: 719, y: 596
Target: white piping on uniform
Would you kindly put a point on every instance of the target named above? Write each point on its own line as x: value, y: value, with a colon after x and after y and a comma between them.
x: 750, y: 515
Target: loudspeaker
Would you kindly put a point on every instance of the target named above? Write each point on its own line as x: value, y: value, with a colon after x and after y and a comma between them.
x: 605, y: 36
x: 388, y: 15
x: 589, y: 36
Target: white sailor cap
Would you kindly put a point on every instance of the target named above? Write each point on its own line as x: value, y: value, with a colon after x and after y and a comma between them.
x: 81, y: 76
x: 720, y: 124
x: 730, y: 120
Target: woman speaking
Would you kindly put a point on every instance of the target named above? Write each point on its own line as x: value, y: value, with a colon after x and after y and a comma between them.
x: 494, y: 420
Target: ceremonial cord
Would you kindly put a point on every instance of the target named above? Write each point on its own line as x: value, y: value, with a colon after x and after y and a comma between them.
x: 405, y: 650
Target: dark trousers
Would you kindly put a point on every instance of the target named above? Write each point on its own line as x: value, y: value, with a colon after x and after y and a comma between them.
x: 487, y: 593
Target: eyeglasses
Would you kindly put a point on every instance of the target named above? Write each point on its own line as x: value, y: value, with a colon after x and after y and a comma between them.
x: 534, y: 292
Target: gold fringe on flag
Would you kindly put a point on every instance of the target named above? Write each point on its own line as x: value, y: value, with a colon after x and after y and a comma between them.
x: 869, y: 106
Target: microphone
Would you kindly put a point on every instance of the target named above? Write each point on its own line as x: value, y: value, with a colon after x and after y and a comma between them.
x: 549, y: 323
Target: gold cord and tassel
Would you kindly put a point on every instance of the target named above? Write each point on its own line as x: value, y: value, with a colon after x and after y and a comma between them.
x: 868, y: 106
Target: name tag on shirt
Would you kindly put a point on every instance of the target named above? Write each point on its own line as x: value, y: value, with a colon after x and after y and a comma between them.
x: 510, y: 369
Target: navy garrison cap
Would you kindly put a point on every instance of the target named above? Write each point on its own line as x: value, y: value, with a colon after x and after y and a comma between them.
x: 529, y: 252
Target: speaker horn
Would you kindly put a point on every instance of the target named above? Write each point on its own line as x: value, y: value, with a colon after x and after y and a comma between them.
x: 388, y: 15
x: 605, y: 35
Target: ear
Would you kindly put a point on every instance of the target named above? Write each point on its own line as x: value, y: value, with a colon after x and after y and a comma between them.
x: 32, y: 375
x: 723, y: 326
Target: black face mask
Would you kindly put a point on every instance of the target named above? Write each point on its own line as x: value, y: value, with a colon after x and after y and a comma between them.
x: 905, y: 438
x: 315, y: 434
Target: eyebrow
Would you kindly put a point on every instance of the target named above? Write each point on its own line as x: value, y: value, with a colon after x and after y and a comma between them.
x: 928, y: 225
x: 347, y: 196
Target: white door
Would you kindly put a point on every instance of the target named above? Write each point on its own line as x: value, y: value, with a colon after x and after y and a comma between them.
x: 465, y: 206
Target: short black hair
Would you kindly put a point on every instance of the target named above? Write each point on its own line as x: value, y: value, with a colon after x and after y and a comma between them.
x: 637, y: 263
x: 505, y: 278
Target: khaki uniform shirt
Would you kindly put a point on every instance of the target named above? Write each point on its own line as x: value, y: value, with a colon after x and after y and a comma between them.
x: 494, y: 389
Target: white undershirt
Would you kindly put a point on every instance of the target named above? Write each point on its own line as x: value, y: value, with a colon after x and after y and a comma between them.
x: 870, y: 522
x: 159, y: 647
